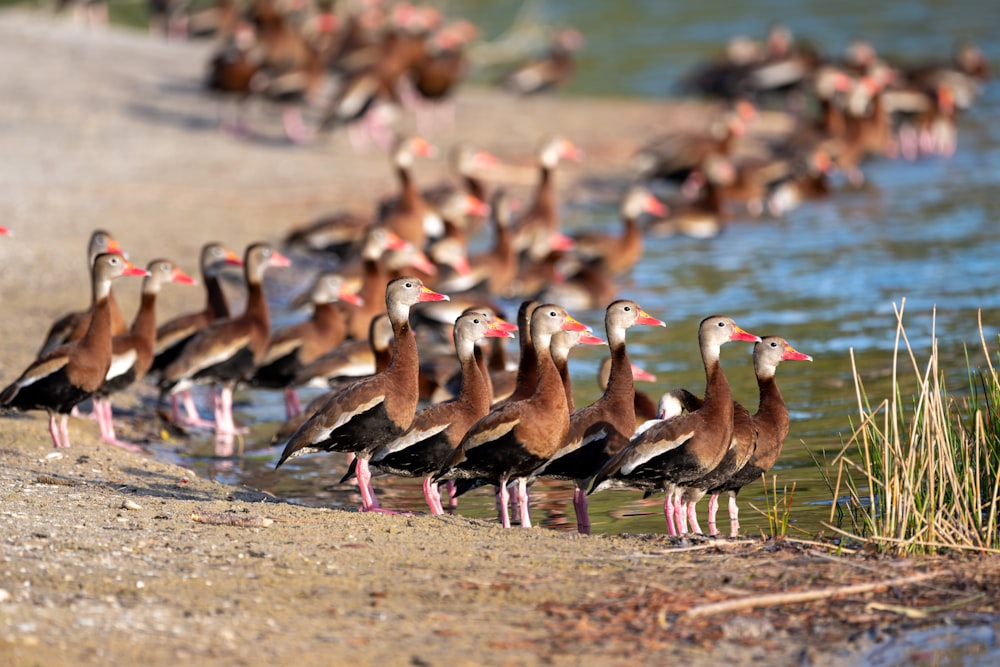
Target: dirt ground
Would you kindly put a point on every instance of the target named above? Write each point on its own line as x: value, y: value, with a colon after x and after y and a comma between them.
x: 113, y: 558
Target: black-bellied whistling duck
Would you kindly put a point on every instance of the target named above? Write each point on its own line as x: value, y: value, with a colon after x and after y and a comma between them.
x: 706, y: 216
x: 536, y: 231
x: 359, y: 101
x: 268, y: 57
x: 408, y: 215
x: 515, y: 438
x: 292, y: 348
x: 435, y: 76
x: 679, y: 450
x: 769, y: 426
x: 618, y: 254
x: 645, y: 407
x: 132, y: 351
x: 347, y: 362
x: 600, y: 430
x: 676, y: 157
x: 494, y: 269
x: 174, y: 334
x: 562, y: 343
x: 226, y: 351
x: 72, y: 326
x: 367, y: 413
x: 73, y: 371
x: 437, y: 430
x: 808, y: 181
x: 548, y: 71
x: 335, y: 233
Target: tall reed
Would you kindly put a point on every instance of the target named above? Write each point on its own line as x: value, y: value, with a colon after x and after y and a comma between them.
x: 922, y: 473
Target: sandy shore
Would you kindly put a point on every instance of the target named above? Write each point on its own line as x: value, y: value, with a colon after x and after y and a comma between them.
x: 113, y: 558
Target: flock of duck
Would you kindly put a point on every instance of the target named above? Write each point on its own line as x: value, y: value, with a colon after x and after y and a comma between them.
x: 403, y: 284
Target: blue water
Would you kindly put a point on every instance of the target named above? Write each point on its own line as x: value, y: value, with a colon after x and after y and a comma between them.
x: 826, y: 276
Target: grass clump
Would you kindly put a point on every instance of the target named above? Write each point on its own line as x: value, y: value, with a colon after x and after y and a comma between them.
x: 922, y: 473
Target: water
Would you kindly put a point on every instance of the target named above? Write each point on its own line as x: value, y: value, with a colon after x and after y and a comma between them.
x: 826, y: 276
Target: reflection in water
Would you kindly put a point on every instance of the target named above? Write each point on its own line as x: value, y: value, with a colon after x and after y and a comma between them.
x: 825, y: 277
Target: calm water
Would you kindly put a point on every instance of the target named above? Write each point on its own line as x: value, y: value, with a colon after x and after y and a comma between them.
x: 825, y: 277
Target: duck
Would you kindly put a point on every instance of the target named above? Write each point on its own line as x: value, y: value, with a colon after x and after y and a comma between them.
x: 536, y: 232
x: 493, y: 270
x: 600, y: 430
x: 365, y: 414
x: 619, y: 253
x: 174, y: 334
x: 132, y: 351
x: 373, y: 86
x: 295, y: 346
x: 435, y: 76
x: 437, y: 430
x: 350, y: 360
x: 768, y: 426
x: 226, y: 351
x: 549, y: 71
x: 408, y: 215
x: 676, y: 451
x: 515, y: 438
x: 72, y: 326
x: 70, y: 373
x: 706, y: 216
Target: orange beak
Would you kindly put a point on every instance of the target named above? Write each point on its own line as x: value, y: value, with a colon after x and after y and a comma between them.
x: 277, y: 259
x: 646, y: 318
x: 573, y: 324
x: 427, y: 294
x: 740, y: 334
x: 179, y: 276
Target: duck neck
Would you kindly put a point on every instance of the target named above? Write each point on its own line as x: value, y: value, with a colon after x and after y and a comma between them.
x: 772, y: 406
x: 550, y: 388
x: 621, y: 387
x: 215, y: 302
x: 717, y: 393
x: 404, y: 346
x: 144, y: 325
x: 476, y: 390
x: 96, y: 341
x: 257, y: 305
x: 328, y: 320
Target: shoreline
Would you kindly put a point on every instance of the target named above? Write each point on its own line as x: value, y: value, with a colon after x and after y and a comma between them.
x: 116, y: 558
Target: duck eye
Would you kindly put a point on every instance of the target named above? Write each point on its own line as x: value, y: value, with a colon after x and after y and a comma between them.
x: 409, y: 284
x: 628, y: 308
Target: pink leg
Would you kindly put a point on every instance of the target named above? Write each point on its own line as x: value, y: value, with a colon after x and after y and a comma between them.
x: 522, y: 498
x: 580, y: 506
x: 504, y: 498
x: 369, y: 503
x: 54, y: 431
x: 108, y: 429
x: 515, y: 503
x: 432, y: 496
x: 295, y: 129
x: 192, y: 418
x: 734, y: 517
x: 224, y: 422
x: 668, y: 513
x: 64, y: 429
x: 713, y: 509
x: 292, y: 405
x: 452, y: 494
x: 680, y: 513
x: 692, y: 512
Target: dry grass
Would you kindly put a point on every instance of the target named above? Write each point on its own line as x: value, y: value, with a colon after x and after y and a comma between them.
x: 922, y: 475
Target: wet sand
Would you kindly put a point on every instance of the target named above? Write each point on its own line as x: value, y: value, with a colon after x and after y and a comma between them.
x: 110, y: 557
